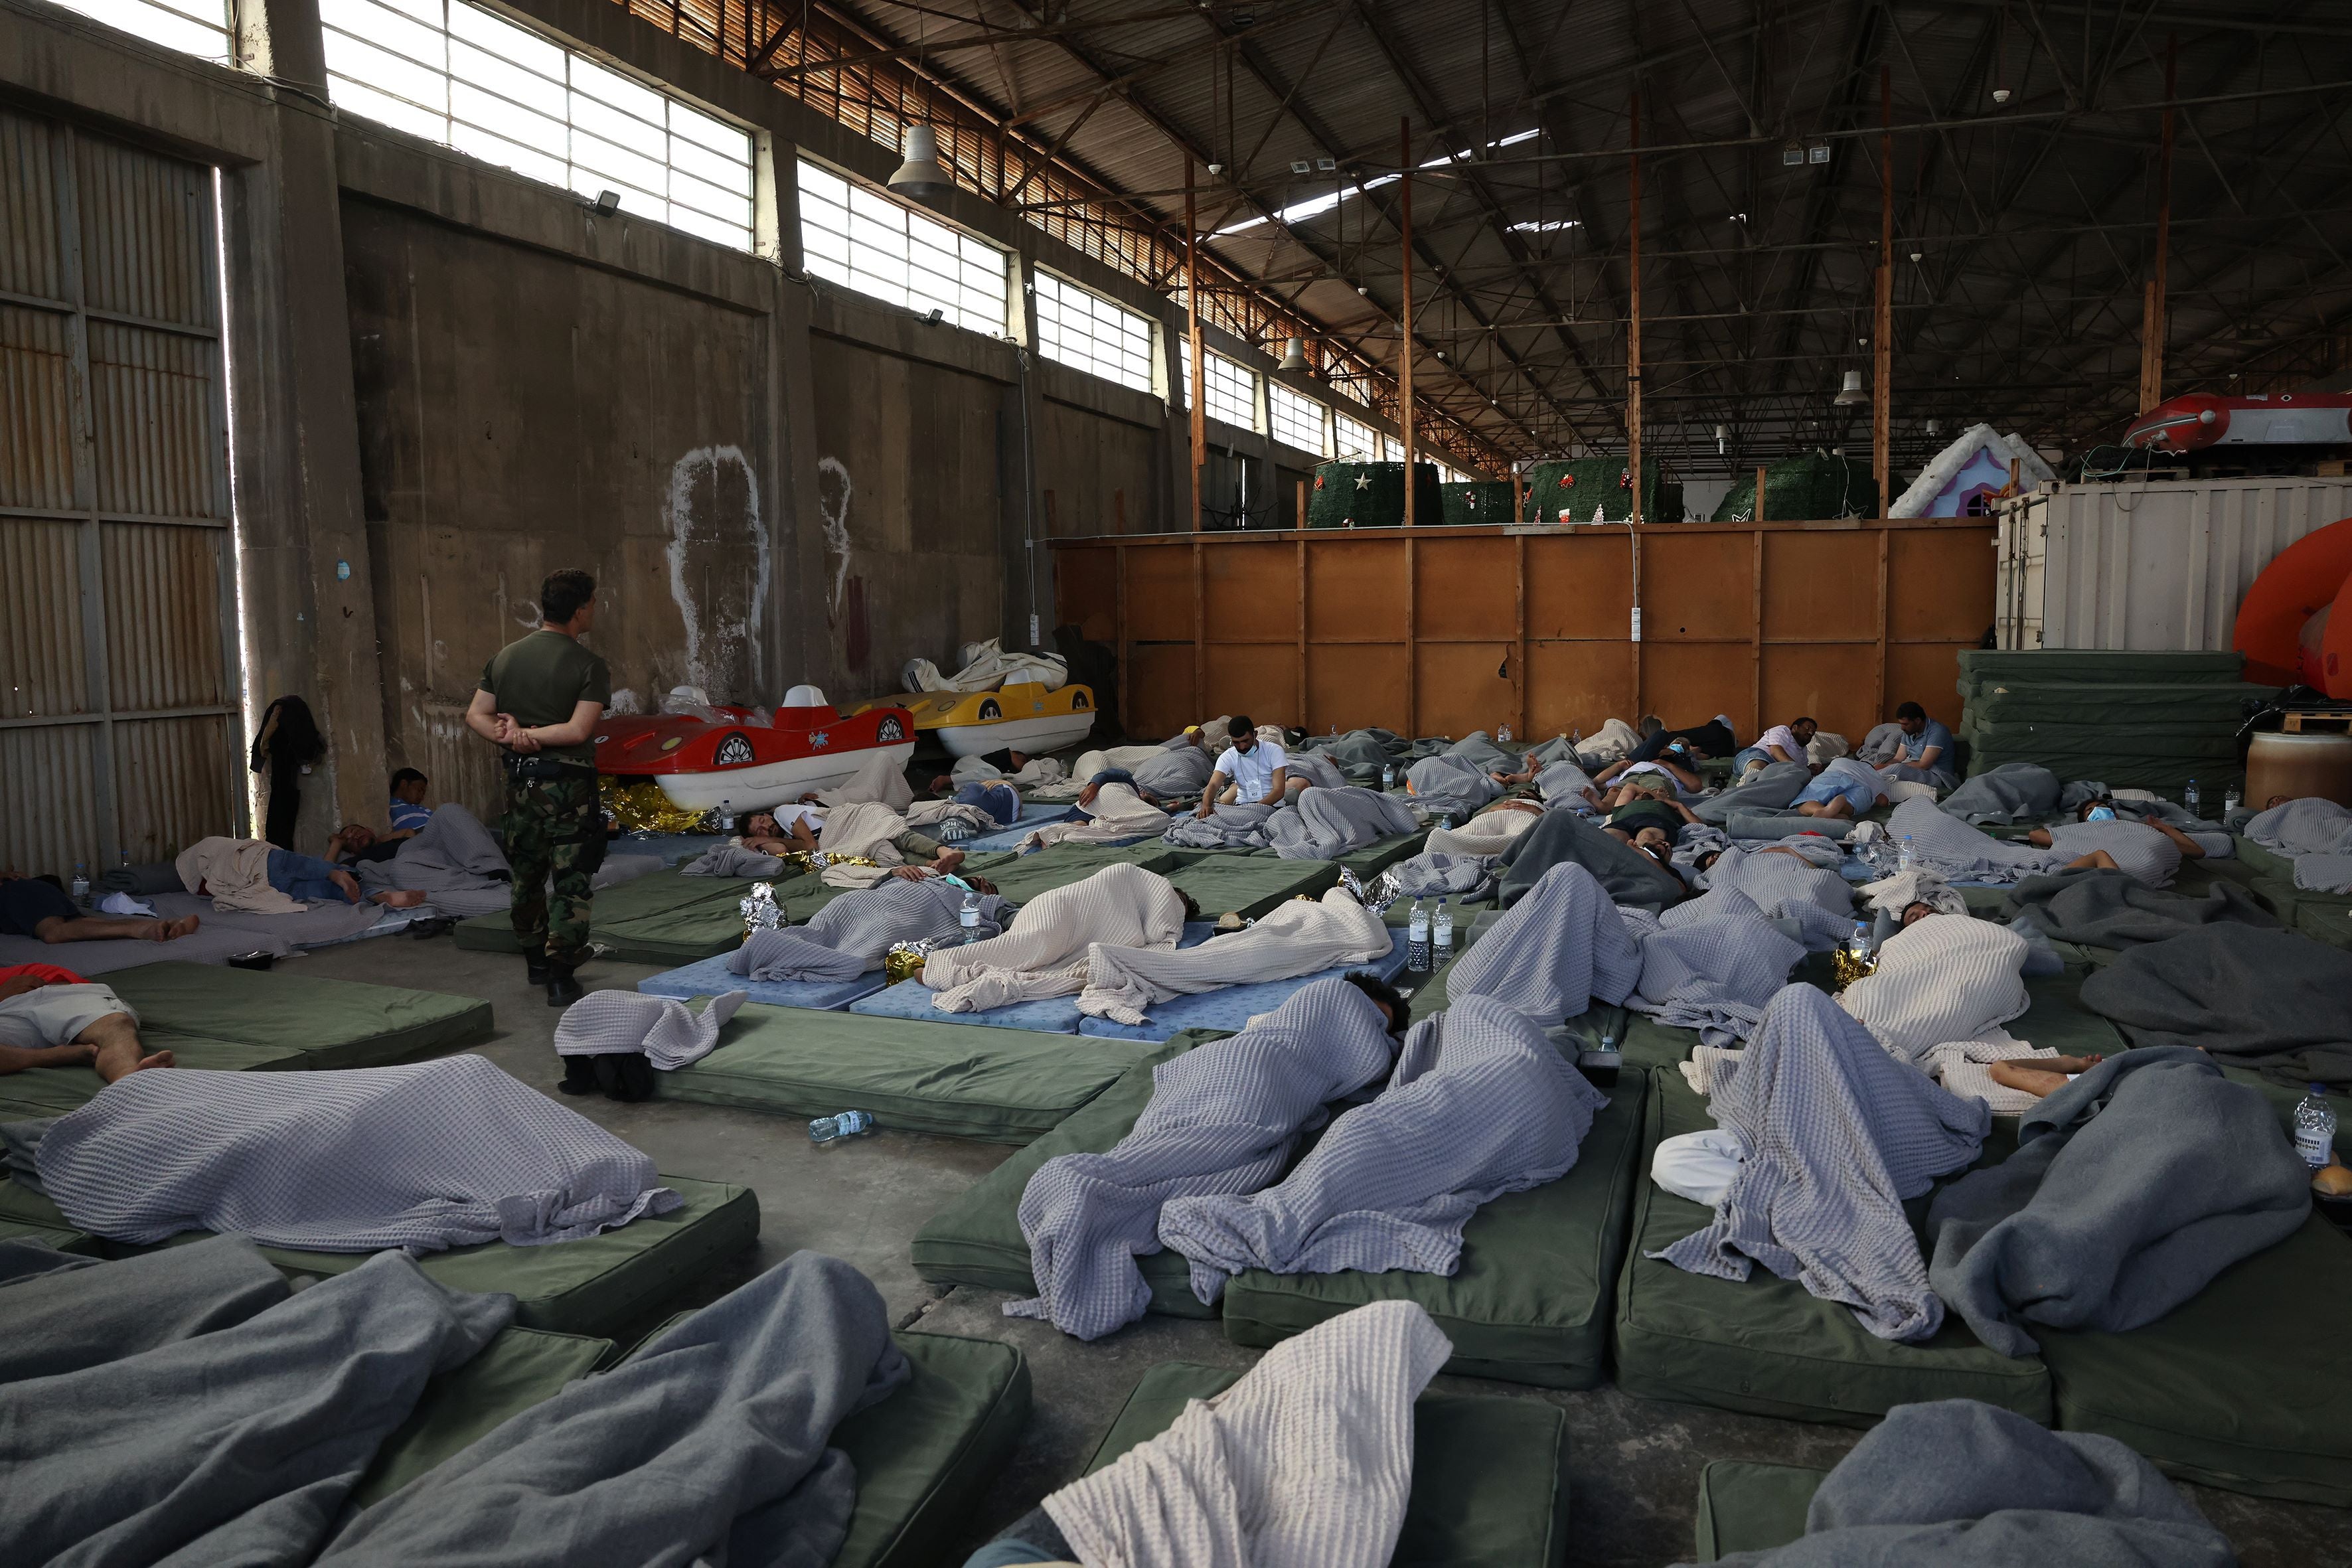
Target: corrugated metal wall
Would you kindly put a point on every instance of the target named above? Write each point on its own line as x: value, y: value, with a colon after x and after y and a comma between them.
x: 118, y: 695
x: 2148, y: 566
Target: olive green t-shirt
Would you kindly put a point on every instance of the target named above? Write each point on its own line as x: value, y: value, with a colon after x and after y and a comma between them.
x: 541, y: 680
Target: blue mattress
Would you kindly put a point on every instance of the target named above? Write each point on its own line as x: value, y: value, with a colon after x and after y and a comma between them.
x: 1054, y: 1016
x: 711, y: 977
x: 673, y: 848
x: 1232, y: 1008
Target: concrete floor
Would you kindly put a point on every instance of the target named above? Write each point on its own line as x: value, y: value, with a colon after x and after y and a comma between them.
x: 1636, y: 1463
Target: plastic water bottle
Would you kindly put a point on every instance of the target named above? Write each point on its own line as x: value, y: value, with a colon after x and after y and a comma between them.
x: 1443, y: 946
x: 848, y: 1124
x: 1388, y: 777
x: 2188, y: 797
x: 1907, y: 858
x: 1445, y: 821
x: 968, y: 918
x: 1503, y: 736
x: 1416, y: 953
x: 2314, y: 1128
x: 1858, y: 943
x: 81, y: 885
x: 2230, y: 803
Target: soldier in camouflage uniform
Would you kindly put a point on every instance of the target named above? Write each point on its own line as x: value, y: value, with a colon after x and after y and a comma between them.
x: 540, y: 700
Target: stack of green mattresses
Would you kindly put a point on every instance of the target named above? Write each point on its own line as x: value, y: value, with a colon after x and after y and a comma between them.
x: 2138, y: 720
x: 1478, y: 501
x: 1371, y: 495
x: 1601, y: 490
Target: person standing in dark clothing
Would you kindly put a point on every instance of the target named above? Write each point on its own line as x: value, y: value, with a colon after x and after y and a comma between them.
x: 539, y: 701
x: 285, y: 746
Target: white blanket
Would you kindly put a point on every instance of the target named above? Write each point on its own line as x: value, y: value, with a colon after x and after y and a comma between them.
x: 1307, y: 1462
x: 236, y: 872
x: 1117, y: 813
x: 986, y: 666
x: 1941, y: 979
x: 1045, y: 952
x: 876, y: 779
x: 864, y: 829
x: 1488, y: 833
x: 1298, y: 937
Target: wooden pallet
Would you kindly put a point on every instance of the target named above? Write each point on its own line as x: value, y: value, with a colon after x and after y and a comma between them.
x: 2298, y: 721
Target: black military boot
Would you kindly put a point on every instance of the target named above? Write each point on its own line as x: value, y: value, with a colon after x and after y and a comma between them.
x: 534, y: 968
x: 562, y: 989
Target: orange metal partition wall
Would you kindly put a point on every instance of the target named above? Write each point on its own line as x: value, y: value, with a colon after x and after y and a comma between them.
x: 1441, y: 631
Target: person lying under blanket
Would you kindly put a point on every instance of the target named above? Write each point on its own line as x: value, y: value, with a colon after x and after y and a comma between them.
x: 1560, y: 783
x: 1843, y: 788
x: 38, y: 907
x: 855, y: 933
x: 1044, y: 952
x: 801, y: 830
x: 1676, y: 763
x: 1644, y: 813
x: 253, y: 875
x: 2150, y: 850
x: 52, y: 1017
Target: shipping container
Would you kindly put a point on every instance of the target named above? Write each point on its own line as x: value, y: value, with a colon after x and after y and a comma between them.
x: 2150, y: 565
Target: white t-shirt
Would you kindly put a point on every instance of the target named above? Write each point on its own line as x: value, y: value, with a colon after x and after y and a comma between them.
x: 1780, y: 735
x: 1252, y: 774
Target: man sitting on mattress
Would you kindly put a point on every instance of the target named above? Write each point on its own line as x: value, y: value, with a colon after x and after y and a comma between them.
x: 1924, y: 754
x: 38, y: 907
x: 1250, y: 771
x: 253, y: 875
x: 52, y: 1017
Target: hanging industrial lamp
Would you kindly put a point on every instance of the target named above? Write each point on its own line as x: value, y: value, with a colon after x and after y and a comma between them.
x: 1293, y: 353
x: 1851, y: 392
x: 920, y: 175
x: 1935, y: 429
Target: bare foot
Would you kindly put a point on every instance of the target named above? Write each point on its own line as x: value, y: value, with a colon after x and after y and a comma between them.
x: 349, y: 884
x: 407, y: 898
x: 160, y: 1060
x: 173, y: 930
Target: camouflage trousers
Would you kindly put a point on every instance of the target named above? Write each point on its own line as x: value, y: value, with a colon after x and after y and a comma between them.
x: 553, y: 828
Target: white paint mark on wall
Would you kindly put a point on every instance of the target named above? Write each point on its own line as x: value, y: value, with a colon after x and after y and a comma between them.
x: 833, y: 491
x: 623, y: 702
x: 718, y: 556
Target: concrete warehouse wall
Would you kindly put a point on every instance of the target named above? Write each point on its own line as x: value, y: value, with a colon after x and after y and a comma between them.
x: 449, y: 379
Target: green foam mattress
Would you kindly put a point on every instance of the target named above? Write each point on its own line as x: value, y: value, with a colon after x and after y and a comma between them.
x: 1248, y: 885
x: 332, y: 1023
x: 2033, y: 665
x: 1745, y: 1507
x: 1022, y: 877
x: 593, y: 1287
x: 2237, y: 1388
x: 518, y: 1369
x: 977, y: 1240
x: 1489, y: 1475
x: 665, y: 918
x: 1530, y: 1299
x: 1763, y: 1345
x: 1000, y: 1085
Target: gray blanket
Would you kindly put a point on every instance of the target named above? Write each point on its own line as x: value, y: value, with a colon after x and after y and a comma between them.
x: 1552, y: 952
x: 457, y: 864
x: 432, y: 1154
x: 1478, y: 748
x: 1716, y: 975
x: 2131, y: 1188
x: 855, y: 932
x: 2268, y: 1000
x: 2137, y: 848
x: 236, y: 1446
x: 732, y: 861
x: 663, y: 1030
x: 2110, y: 909
x: 1834, y: 1134
x: 2012, y: 792
x: 66, y: 1312
x: 1781, y: 887
x: 1958, y: 1484
x: 1771, y: 790
x: 1452, y: 786
x: 1481, y: 1104
x: 1561, y: 837
x: 2306, y: 827
x: 1563, y: 785
x: 1224, y: 1118
x: 1234, y: 827
x: 1325, y: 824
x: 1175, y: 772
x: 1361, y: 754
x: 709, y: 1443
x: 1960, y: 853
x: 1314, y: 769
x: 1754, y: 823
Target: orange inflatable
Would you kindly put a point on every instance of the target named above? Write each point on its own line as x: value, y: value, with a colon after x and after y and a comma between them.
x: 2310, y: 578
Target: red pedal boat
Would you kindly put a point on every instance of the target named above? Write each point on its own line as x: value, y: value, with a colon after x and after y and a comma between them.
x: 735, y: 759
